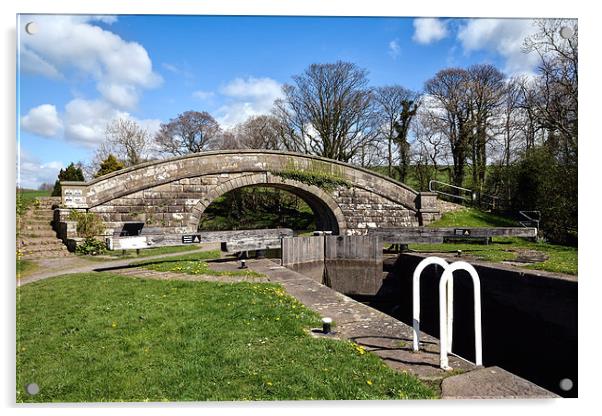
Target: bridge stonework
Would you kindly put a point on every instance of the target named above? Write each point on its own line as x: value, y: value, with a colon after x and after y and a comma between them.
x: 170, y: 196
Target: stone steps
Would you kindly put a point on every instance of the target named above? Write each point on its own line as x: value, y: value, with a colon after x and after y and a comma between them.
x: 34, y: 221
x: 25, y: 249
x: 36, y: 233
x: 35, y: 236
x: 38, y: 212
x: 49, y: 254
x: 38, y: 241
x: 35, y: 226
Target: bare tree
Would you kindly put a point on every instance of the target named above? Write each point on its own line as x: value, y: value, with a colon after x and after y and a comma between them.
x: 430, y: 148
x: 556, y: 103
x: 189, y: 132
x: 259, y: 132
x: 396, y: 107
x: 513, y: 120
x: 45, y: 186
x: 451, y: 112
x: 227, y: 140
x: 328, y: 111
x: 128, y: 141
x: 485, y: 93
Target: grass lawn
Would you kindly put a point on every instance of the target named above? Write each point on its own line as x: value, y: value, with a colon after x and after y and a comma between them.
x: 25, y: 267
x: 101, y: 337
x: 471, y: 217
x: 561, y: 259
x: 194, y: 264
x: 25, y: 198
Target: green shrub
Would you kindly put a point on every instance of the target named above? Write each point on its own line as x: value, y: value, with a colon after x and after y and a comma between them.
x: 89, y: 224
x: 91, y: 246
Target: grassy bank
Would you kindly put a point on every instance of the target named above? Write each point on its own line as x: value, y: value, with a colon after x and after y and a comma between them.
x: 25, y: 267
x: 560, y: 259
x: 102, y: 337
x: 26, y: 197
x: 194, y: 264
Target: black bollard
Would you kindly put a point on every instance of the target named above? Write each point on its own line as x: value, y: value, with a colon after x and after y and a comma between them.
x: 326, y: 325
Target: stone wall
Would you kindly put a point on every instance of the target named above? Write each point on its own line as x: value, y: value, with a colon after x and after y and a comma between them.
x: 347, y: 264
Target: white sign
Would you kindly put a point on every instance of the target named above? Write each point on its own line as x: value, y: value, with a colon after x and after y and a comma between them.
x: 128, y: 243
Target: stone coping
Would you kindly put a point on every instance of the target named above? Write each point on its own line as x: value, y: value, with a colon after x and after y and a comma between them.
x: 236, y: 152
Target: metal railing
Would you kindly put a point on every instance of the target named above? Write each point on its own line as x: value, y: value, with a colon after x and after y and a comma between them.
x: 464, y: 194
x: 444, y: 316
x: 472, y: 197
x: 446, y: 307
x: 532, y: 218
x: 416, y: 295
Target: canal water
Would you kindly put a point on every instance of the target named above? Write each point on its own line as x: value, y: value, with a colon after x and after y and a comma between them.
x: 527, y: 330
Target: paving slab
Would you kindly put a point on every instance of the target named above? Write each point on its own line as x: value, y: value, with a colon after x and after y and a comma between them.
x: 491, y: 383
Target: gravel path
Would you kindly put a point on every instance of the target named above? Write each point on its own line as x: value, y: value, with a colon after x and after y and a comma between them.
x: 71, y: 265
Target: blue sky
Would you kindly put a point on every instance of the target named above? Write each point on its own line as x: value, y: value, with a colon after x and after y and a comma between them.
x: 76, y: 73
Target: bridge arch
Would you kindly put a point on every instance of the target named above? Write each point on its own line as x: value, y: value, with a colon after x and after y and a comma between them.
x: 170, y: 195
x: 327, y: 212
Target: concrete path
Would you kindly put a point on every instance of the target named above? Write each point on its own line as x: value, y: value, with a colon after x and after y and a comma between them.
x: 71, y: 265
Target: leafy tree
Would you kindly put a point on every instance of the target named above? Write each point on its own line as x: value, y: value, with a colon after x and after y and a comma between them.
x: 73, y: 172
x: 409, y: 108
x: 110, y: 164
x: 539, y: 181
x: 396, y: 107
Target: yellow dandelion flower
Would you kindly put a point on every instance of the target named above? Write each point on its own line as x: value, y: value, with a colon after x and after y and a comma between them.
x: 369, y: 382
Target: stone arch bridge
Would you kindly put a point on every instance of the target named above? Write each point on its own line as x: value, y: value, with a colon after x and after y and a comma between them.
x: 170, y: 195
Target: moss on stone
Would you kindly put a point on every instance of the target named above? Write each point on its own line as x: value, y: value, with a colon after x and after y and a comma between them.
x: 320, y: 179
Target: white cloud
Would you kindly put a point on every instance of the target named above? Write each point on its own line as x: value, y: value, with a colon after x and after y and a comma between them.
x: 32, y: 172
x: 247, y: 97
x: 394, y: 48
x: 428, y: 30
x: 203, y: 95
x: 31, y: 62
x: 86, y: 120
x: 503, y: 36
x: 120, y: 68
x: 42, y: 120
x: 171, y: 68
x: 104, y: 18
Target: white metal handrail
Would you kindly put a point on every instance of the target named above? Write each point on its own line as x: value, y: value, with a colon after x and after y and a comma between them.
x: 443, y: 304
x: 533, y: 217
x: 472, y: 196
x: 416, y: 298
x: 446, y: 308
